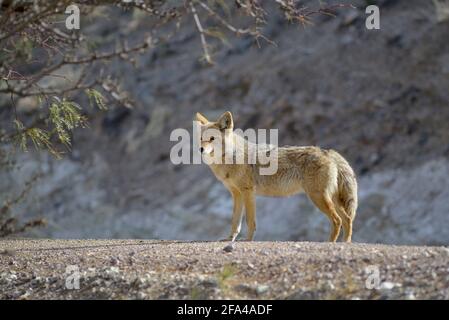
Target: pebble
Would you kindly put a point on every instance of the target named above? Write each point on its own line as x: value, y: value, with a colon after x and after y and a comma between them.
x: 262, y: 289
x: 329, y: 286
x: 229, y: 248
x: 387, y: 285
x: 209, y: 283
x: 410, y: 296
x: 243, y: 287
x: 445, y: 250
x: 141, y: 295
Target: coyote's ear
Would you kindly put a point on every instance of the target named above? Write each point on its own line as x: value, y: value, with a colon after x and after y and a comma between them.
x: 202, y: 119
x: 225, y: 121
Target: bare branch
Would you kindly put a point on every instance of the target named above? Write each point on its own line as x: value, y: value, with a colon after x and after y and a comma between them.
x: 202, y: 33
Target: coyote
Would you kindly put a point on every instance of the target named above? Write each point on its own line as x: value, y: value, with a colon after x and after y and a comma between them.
x: 324, y: 175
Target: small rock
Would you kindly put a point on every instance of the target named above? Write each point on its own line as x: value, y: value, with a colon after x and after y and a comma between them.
x: 387, y: 285
x: 229, y: 247
x: 183, y: 291
x: 410, y: 296
x: 25, y: 295
x: 329, y: 286
x: 445, y: 250
x: 209, y: 283
x: 262, y: 289
x: 243, y: 287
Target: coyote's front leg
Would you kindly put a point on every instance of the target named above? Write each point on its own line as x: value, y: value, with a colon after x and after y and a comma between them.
x: 250, y: 207
x: 236, y: 214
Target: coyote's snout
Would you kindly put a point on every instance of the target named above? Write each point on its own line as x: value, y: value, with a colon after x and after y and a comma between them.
x: 324, y: 175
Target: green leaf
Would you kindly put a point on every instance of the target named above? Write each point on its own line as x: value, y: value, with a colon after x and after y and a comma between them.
x: 66, y: 116
x: 96, y: 98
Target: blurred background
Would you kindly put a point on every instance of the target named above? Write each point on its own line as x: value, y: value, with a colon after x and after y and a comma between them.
x: 379, y: 97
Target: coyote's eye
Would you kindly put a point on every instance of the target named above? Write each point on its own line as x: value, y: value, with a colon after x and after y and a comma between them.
x: 212, y: 139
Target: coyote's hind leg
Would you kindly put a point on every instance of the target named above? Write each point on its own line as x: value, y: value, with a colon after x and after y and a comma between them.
x: 325, y: 204
x: 346, y: 221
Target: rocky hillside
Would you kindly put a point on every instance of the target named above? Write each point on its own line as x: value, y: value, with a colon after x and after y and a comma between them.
x: 380, y: 97
x: 138, y: 269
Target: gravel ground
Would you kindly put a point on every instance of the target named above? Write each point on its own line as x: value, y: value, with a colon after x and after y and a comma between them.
x: 154, y: 269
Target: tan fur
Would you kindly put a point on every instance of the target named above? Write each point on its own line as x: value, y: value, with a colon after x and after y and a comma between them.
x: 324, y: 175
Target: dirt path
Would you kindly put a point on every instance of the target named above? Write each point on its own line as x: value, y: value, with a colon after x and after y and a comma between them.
x: 137, y: 269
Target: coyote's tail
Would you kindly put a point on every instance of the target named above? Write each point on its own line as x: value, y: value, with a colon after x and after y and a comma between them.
x: 347, y: 185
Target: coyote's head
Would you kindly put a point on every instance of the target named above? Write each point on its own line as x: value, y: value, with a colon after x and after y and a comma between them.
x: 213, y: 135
